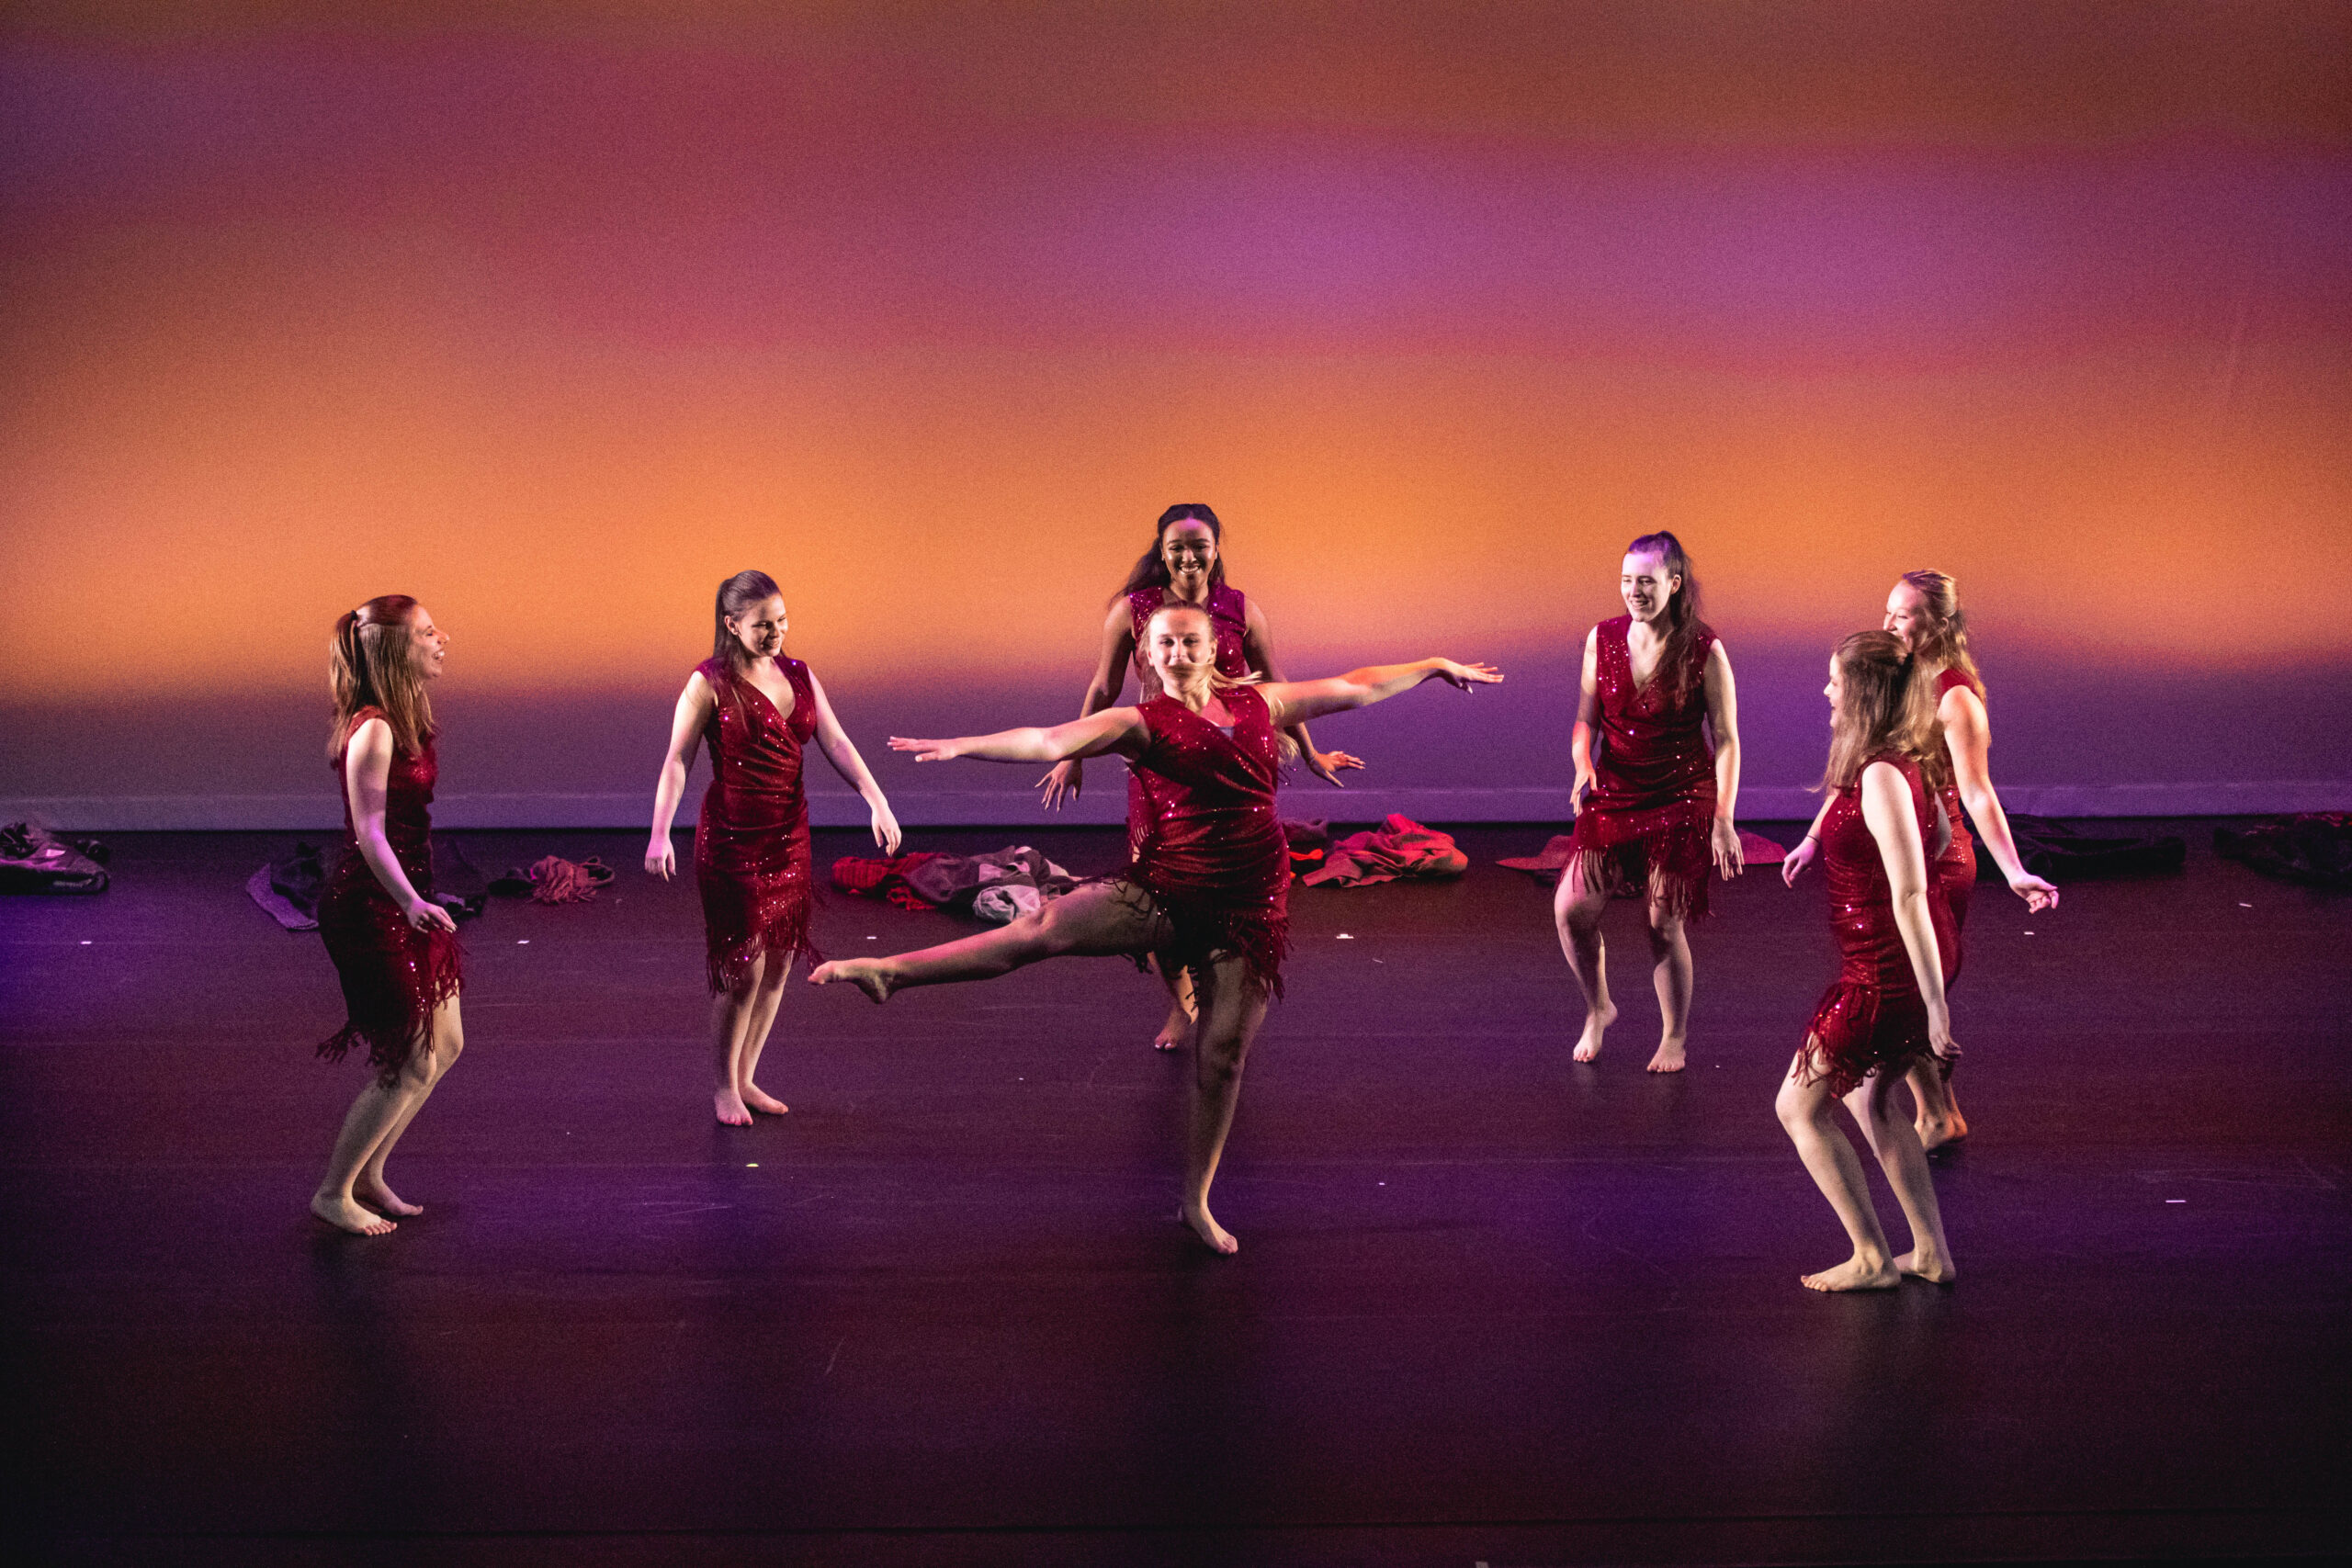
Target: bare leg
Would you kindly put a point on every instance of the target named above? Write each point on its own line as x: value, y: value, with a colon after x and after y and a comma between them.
x: 731, y: 1019
x: 447, y: 1042
x: 1671, y: 973
x: 1178, y: 1027
x: 1230, y: 1012
x: 1576, y: 914
x: 756, y: 1024
x: 1939, y: 1120
x: 376, y: 1115
x: 1097, y: 919
x: 1905, y: 1164
x: 1808, y: 1113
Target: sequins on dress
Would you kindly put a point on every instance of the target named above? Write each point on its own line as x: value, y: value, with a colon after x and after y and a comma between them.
x: 1229, y: 617
x: 752, y: 841
x: 1873, y: 1018
x: 1644, y: 827
x: 393, y: 974
x: 1202, y: 839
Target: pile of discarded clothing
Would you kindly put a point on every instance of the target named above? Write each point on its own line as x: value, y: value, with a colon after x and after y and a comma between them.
x: 288, y: 887
x: 999, y: 887
x: 2315, y: 849
x: 34, y: 859
x: 1399, y: 850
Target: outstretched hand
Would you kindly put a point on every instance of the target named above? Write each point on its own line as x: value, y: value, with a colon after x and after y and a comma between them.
x: 1061, y: 783
x: 1326, y: 766
x: 926, y: 750
x: 1467, y: 676
x: 1723, y: 839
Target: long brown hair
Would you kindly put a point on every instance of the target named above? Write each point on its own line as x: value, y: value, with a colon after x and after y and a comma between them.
x: 1151, y: 570
x: 1881, y: 710
x: 371, y: 663
x: 1939, y: 641
x: 737, y: 595
x: 1683, y: 625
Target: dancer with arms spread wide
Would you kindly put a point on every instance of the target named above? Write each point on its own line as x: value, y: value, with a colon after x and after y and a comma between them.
x: 1923, y: 612
x: 1184, y: 565
x: 754, y: 709
x: 1885, y: 1013
x: 394, y: 949
x: 1653, y: 804
x: 1206, y: 888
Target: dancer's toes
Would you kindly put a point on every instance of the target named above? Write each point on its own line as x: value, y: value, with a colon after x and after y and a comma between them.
x: 1596, y: 1021
x: 728, y: 1105
x: 1220, y: 1239
x: 384, y: 1200
x: 865, y: 974
x: 1933, y: 1266
x: 759, y: 1099
x: 1174, y: 1034
x: 345, y: 1214
x: 1670, y: 1057
x: 1855, y: 1274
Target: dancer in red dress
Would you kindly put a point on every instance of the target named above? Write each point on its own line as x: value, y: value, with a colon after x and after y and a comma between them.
x: 1654, y: 805
x: 1207, y: 886
x: 394, y: 949
x: 1185, y: 565
x: 754, y: 709
x: 1885, y: 1014
x: 1924, y: 611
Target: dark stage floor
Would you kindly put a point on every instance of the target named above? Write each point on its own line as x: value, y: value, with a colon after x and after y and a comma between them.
x: 1491, y: 1305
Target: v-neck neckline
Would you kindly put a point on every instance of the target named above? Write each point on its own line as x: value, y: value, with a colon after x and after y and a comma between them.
x: 1640, y: 686
x: 782, y: 718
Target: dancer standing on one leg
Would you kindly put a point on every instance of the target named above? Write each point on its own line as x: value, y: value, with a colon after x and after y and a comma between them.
x: 1653, y: 805
x: 754, y: 709
x: 394, y: 949
x: 1184, y: 565
x: 1924, y: 611
x: 1207, y: 888
x: 1885, y: 1014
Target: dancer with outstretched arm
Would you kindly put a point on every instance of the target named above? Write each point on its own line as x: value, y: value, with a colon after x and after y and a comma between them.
x: 1885, y: 1013
x: 1924, y: 611
x: 1652, y: 802
x: 1184, y: 565
x: 1206, y: 887
x: 394, y: 949
x: 754, y: 709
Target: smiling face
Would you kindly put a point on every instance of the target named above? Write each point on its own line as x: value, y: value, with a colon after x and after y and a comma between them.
x: 1648, y: 586
x: 758, y: 630
x: 1181, y: 644
x: 1906, y: 613
x: 428, y: 645
x: 1188, y: 548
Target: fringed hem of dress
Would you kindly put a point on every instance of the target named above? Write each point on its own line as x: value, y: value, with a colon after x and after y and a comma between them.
x: 392, y: 1042
x: 1861, y: 1028
x: 1666, y: 869
x: 729, y: 963
x: 1201, y: 932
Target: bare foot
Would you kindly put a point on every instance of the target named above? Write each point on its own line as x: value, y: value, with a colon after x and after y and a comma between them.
x: 372, y: 1192
x: 759, y: 1099
x: 345, y: 1215
x: 730, y: 1107
x: 1207, y: 1229
x: 865, y: 974
x: 1936, y: 1130
x: 1668, y: 1059
x: 1935, y: 1268
x: 1855, y: 1274
x: 1175, y: 1033
x: 1595, y: 1020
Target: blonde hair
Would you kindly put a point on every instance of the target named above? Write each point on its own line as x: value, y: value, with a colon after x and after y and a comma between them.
x: 1940, y: 641
x: 1882, y: 711
x: 371, y: 663
x: 1286, y: 748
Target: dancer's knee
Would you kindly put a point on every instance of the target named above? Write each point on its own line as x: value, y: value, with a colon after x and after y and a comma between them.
x: 1798, y: 1106
x: 1666, y: 931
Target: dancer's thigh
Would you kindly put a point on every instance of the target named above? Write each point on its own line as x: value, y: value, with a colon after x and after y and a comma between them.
x: 1099, y: 919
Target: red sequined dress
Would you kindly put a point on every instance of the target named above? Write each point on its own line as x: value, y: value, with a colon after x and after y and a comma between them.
x: 1955, y: 869
x: 752, y: 841
x: 1229, y: 617
x: 1644, y: 828
x: 1873, y: 1018
x: 1203, y: 839
x: 393, y: 974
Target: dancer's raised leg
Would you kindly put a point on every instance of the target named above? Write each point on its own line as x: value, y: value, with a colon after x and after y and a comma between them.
x: 1905, y: 1164
x: 1177, y: 1028
x: 1577, y: 909
x: 1809, y: 1114
x: 759, y: 1021
x: 1670, y: 975
x: 448, y: 1042
x: 1099, y: 919
x: 1231, y: 1008
x: 1939, y: 1121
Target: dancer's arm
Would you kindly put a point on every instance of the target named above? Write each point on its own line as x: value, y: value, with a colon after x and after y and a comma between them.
x: 1722, y: 716
x: 1118, y: 648
x: 1580, y: 738
x: 1886, y: 809
x: 852, y: 768
x: 688, y: 722
x: 1807, y: 848
x: 1258, y: 651
x: 367, y: 775
x: 1295, y: 702
x: 1114, y: 730
x: 1969, y: 734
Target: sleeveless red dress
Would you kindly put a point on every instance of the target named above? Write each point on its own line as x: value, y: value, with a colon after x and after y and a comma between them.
x: 752, y: 841
x: 1203, y: 839
x: 393, y: 976
x: 1955, y: 869
x: 1228, y: 616
x: 1873, y: 1018
x: 1644, y: 828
